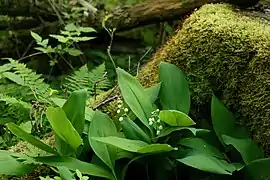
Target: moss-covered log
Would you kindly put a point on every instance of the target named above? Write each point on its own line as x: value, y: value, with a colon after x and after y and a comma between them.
x: 224, y: 51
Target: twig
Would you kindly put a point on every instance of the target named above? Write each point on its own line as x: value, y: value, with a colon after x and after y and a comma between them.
x: 139, y: 63
x: 105, y: 102
x: 31, y: 55
x: 27, y: 49
x: 56, y: 12
x: 96, y: 83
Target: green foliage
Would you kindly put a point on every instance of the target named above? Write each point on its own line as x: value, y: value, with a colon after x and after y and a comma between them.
x: 66, y: 42
x: 95, y: 81
x: 183, y: 150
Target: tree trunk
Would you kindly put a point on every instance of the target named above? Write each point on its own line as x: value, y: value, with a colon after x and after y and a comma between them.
x: 152, y: 11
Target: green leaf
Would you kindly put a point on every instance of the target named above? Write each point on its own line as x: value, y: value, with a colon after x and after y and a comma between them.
x: 73, y: 164
x: 248, y: 149
x: 102, y: 126
x: 122, y: 143
x: 36, y: 36
x: 79, y: 39
x: 60, y: 38
x: 134, y: 132
x: 168, y: 130
x: 74, y: 52
x: 10, y: 166
x: 75, y: 115
x: 134, y: 145
x: 208, y: 163
x: 153, y: 92
x: 70, y: 27
x: 258, y: 169
x: 16, y: 130
x: 222, y: 119
x: 14, y: 77
x: 26, y: 126
x: 87, y: 29
x: 174, y: 92
x: 229, y: 133
x: 155, y: 148
x: 63, y: 127
x: 42, y: 49
x: 135, y: 96
x: 175, y: 118
x: 65, y: 173
x: 58, y: 101
x: 201, y: 146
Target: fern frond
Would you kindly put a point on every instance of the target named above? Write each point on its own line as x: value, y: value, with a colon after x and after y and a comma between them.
x: 33, y: 88
x: 95, y: 81
x: 13, y: 109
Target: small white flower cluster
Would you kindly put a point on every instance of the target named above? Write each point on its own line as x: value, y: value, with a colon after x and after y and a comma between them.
x: 121, y: 109
x: 155, y: 122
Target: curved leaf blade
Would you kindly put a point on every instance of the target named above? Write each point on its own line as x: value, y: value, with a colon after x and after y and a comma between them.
x: 175, y: 118
x: 208, y: 163
x: 16, y: 130
x: 73, y: 164
x: 135, y: 96
x: 63, y: 127
x: 103, y: 126
x: 173, y: 94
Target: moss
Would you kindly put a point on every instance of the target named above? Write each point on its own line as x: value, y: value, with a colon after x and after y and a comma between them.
x: 225, y: 51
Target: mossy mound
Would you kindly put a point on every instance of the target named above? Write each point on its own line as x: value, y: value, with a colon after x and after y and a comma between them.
x: 225, y: 51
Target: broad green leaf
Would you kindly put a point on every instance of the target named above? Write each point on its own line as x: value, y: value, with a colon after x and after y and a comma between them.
x: 70, y: 27
x: 45, y: 42
x: 248, y: 149
x: 58, y: 101
x: 36, y: 36
x: 174, y: 92
x: 79, y: 39
x: 86, y: 29
x: 65, y: 173
x: 26, y: 126
x: 168, y: 130
x: 63, y: 127
x: 208, y: 163
x: 155, y: 148
x: 44, y: 50
x: 258, y: 169
x: 60, y: 38
x: 10, y: 166
x: 134, y: 145
x: 73, y: 164
x: 175, y: 118
x: 222, y: 119
x: 89, y: 114
x: 102, y: 126
x: 153, y: 92
x: 134, y: 132
x: 75, y: 109
x: 16, y: 130
x: 229, y: 133
x: 74, y: 52
x: 201, y: 146
x: 122, y: 143
x: 135, y: 96
x: 14, y: 77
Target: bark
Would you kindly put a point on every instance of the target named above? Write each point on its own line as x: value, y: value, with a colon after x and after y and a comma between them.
x: 149, y: 12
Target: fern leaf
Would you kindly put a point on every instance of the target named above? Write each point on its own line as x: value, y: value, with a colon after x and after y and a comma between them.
x: 95, y: 81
